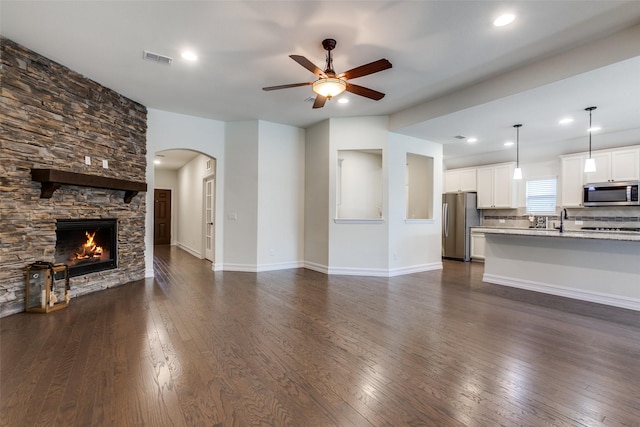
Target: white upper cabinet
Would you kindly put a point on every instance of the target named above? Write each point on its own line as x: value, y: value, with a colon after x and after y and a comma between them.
x: 496, y: 187
x: 618, y: 164
x: 622, y: 164
x: 625, y: 164
x: 460, y: 180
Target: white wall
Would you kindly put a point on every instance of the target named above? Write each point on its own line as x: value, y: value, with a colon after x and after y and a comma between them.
x: 376, y: 247
x: 168, y: 180
x: 357, y: 248
x: 280, y: 197
x: 414, y: 245
x: 166, y: 131
x: 241, y: 196
x: 316, y: 195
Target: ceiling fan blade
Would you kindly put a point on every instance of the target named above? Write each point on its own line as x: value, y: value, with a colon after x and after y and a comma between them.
x: 287, y: 86
x: 363, y: 70
x: 308, y: 65
x: 319, y: 102
x: 364, y: 91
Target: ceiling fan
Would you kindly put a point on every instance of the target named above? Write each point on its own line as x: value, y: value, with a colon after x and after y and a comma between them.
x: 330, y: 84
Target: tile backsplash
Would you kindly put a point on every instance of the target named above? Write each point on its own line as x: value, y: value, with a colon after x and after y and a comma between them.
x: 625, y: 216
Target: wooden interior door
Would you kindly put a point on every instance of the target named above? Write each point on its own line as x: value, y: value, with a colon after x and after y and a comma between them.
x: 161, y: 217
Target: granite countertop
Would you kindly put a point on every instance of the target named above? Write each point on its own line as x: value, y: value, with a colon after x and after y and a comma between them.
x: 574, y: 234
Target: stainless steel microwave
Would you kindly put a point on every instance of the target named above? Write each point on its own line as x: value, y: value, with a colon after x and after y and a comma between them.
x: 611, y: 194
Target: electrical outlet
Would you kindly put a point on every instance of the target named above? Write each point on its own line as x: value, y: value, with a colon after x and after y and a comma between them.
x: 579, y: 222
x: 501, y: 221
x: 105, y: 164
x: 232, y: 216
x: 87, y: 160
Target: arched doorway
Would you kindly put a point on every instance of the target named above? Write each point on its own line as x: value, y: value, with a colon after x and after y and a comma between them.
x: 187, y: 178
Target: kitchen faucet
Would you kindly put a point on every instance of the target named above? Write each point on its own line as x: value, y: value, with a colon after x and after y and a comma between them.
x: 563, y: 216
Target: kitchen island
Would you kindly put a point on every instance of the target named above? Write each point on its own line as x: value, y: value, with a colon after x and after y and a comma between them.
x: 596, y: 266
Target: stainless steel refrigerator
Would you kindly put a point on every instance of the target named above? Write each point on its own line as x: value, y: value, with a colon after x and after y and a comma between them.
x: 459, y: 214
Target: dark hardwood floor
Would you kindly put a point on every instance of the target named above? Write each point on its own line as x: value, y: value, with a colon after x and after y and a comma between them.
x: 295, y: 347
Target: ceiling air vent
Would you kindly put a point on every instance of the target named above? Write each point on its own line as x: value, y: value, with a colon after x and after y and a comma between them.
x: 155, y: 57
x: 460, y: 137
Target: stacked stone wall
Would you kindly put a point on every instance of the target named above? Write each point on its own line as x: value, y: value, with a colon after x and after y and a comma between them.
x: 52, y: 117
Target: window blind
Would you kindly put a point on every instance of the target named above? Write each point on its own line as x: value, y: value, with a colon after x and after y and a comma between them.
x: 541, y: 196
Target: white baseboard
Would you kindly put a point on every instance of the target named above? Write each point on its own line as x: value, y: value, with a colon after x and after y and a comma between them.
x: 193, y: 252
x: 262, y: 267
x: 316, y: 267
x: 579, y: 294
x: 280, y: 266
x: 249, y: 268
x: 345, y: 271
x: 415, y: 269
x: 149, y: 273
x: 381, y: 272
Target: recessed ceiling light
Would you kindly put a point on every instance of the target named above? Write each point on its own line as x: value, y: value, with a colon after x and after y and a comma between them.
x: 156, y: 161
x: 343, y: 101
x: 189, y: 56
x: 503, y: 20
x: 508, y: 143
x: 472, y: 140
x: 565, y: 121
x: 594, y: 129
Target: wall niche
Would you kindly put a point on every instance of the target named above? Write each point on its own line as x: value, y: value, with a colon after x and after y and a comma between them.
x: 359, y: 184
x: 419, y: 186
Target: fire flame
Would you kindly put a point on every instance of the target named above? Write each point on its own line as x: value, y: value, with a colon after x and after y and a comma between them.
x: 89, y: 249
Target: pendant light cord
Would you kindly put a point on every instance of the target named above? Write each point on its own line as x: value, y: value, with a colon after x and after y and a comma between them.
x: 590, y: 109
x: 590, y: 133
x: 517, y: 144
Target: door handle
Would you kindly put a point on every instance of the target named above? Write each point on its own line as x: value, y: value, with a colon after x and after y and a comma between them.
x: 445, y: 218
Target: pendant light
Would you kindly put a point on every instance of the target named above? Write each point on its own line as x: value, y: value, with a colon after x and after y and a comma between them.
x: 517, y: 172
x: 590, y: 164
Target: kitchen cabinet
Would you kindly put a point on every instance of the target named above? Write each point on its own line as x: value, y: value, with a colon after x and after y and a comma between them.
x: 496, y: 187
x: 618, y: 164
x: 572, y: 180
x: 477, y: 246
x: 622, y: 164
x: 459, y: 180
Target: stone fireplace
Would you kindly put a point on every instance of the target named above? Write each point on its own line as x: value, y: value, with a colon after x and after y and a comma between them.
x: 53, y: 118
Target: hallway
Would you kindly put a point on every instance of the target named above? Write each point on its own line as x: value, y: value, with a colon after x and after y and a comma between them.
x: 295, y: 347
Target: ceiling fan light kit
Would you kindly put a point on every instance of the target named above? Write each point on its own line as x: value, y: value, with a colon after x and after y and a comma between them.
x: 329, y: 87
x: 330, y: 84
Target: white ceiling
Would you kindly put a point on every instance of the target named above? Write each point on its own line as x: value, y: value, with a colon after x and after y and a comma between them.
x: 436, y: 48
x: 173, y: 159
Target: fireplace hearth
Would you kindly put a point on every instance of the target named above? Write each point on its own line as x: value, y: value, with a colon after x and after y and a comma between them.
x: 87, y: 245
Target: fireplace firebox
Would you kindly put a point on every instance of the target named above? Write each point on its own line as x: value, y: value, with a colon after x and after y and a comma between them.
x: 87, y: 245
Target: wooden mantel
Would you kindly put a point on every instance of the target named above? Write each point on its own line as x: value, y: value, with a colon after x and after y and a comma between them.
x: 52, y: 179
